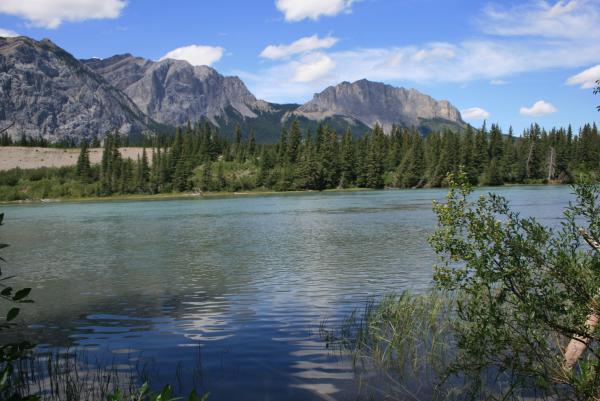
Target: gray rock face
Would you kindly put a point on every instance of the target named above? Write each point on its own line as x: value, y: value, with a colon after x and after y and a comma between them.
x: 374, y: 102
x: 46, y: 91
x: 174, y: 92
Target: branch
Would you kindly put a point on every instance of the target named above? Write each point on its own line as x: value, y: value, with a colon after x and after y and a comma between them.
x: 589, y: 239
x: 579, y: 344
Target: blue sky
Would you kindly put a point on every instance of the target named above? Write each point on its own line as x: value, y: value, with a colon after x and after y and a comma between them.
x: 511, y: 62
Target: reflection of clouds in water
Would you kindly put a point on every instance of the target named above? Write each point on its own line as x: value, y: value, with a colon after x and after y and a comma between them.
x: 205, y: 322
x: 247, y: 280
x: 324, y: 390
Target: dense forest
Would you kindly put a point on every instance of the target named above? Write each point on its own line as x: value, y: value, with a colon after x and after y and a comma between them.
x: 197, y: 158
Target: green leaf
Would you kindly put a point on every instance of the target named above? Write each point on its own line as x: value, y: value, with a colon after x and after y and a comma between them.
x: 21, y: 294
x: 6, y: 292
x: 166, y: 394
x: 12, y: 314
x: 195, y: 397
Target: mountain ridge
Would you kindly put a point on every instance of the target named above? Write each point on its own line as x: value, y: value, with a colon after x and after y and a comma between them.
x: 46, y: 91
x: 49, y: 92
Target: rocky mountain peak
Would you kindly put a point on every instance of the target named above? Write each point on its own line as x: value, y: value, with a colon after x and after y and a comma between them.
x: 175, y: 92
x: 45, y: 91
x: 375, y: 102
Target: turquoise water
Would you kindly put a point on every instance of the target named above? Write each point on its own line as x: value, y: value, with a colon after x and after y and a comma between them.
x: 238, y: 286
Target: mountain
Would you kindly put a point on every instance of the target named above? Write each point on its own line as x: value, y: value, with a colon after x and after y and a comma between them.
x: 174, y: 92
x: 46, y: 91
x: 374, y: 102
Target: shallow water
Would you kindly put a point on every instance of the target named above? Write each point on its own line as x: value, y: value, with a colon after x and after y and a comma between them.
x: 231, y: 291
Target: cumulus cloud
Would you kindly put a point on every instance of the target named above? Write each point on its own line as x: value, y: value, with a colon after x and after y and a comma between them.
x: 196, y: 54
x: 474, y: 113
x: 7, y: 33
x: 297, y: 10
x: 492, y: 57
x: 302, y: 45
x: 312, y: 68
x: 539, y: 109
x: 586, y: 79
x: 52, y: 13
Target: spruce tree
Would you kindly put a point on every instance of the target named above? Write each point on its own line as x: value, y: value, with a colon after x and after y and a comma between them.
x: 411, y: 171
x: 347, y: 161
x: 374, y: 162
x: 294, y: 142
x: 83, y: 169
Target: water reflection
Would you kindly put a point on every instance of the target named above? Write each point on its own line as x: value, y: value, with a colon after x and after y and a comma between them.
x: 238, y: 286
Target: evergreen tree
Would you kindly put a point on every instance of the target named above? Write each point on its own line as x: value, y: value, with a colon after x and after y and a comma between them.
x: 412, y: 168
x: 375, y: 156
x: 294, y: 142
x: 83, y: 168
x: 347, y: 161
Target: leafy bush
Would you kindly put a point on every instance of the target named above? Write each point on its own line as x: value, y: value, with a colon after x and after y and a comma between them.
x: 525, y: 292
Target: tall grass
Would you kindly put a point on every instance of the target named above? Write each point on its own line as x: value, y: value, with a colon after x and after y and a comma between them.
x: 401, y: 345
x: 76, y: 375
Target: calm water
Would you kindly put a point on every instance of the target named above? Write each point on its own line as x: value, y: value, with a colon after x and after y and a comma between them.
x: 235, y: 286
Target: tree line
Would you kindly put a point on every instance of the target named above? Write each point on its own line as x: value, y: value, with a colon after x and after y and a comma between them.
x: 198, y: 158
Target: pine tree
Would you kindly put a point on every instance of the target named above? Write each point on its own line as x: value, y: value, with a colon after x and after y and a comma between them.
x: 347, y: 161
x: 294, y: 142
x: 265, y: 172
x: 251, y: 145
x: 412, y: 168
x: 83, y: 168
x: 309, y: 173
x: 375, y: 156
x: 282, y: 147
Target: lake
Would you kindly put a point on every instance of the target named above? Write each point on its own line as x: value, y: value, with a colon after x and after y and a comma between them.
x: 231, y: 291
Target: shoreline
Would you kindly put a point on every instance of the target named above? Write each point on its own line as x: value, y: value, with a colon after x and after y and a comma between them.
x: 216, y: 195
x: 174, y: 196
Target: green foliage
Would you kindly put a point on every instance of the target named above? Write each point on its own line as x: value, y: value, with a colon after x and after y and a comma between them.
x: 315, y: 161
x: 10, y: 353
x: 144, y: 394
x: 597, y: 90
x: 523, y: 291
x: 83, y: 168
x: 407, y: 338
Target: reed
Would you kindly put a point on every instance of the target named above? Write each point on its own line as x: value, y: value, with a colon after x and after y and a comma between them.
x: 401, y: 345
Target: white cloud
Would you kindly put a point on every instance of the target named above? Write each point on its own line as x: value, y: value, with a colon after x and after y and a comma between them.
x: 435, y: 51
x: 196, y: 54
x: 297, y: 10
x: 474, y: 113
x: 563, y: 19
x: 312, y: 67
x: 52, y: 13
x: 301, y: 45
x: 498, y: 82
x: 587, y: 79
x: 539, y: 109
x: 7, y: 33
x: 493, y: 57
